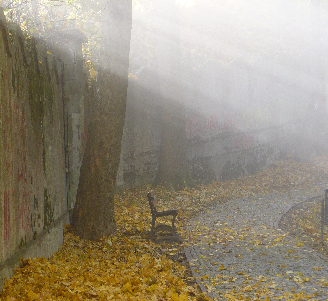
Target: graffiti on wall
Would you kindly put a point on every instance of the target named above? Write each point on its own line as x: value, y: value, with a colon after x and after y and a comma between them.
x: 20, y: 154
x: 7, y: 155
x: 16, y: 196
x: 6, y: 217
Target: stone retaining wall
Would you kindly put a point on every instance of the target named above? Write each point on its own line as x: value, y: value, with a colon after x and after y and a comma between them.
x: 240, y: 119
x: 43, y: 92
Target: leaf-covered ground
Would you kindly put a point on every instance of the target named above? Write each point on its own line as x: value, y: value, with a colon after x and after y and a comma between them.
x: 304, y: 220
x: 129, y: 266
x: 304, y: 223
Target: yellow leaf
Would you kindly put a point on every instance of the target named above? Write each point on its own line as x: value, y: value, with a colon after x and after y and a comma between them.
x: 152, y: 288
x: 183, y: 297
x: 175, y: 297
x: 128, y: 287
x: 222, y: 268
x: 32, y: 295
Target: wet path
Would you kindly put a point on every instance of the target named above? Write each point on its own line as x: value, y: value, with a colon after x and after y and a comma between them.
x: 237, y: 252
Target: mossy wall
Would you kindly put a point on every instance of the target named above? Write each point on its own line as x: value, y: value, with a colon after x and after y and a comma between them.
x: 38, y: 97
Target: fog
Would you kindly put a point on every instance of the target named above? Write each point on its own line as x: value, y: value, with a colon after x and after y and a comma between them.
x: 260, y: 58
x: 247, y: 56
x: 248, y: 77
x: 251, y: 76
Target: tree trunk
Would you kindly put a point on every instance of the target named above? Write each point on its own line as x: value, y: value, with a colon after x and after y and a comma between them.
x: 93, y: 214
x: 173, y: 166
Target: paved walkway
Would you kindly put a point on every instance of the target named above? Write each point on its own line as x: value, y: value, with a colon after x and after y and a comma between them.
x: 237, y: 252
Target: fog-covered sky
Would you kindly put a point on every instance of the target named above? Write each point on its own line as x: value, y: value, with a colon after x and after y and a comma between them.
x: 260, y: 58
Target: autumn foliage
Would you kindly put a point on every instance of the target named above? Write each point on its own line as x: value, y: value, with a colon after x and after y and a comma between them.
x: 128, y: 266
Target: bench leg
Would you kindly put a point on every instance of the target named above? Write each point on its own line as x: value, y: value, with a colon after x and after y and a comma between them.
x: 173, y: 220
x: 153, y: 220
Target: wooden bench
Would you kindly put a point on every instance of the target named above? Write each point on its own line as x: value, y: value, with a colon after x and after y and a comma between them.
x: 154, y: 213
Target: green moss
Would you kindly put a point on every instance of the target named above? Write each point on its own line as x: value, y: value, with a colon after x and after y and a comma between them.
x: 48, y: 210
x: 13, y: 78
x: 49, y: 92
x: 36, y: 87
x: 22, y: 243
x: 36, y: 203
x: 43, y: 151
x: 18, y: 85
x: 12, y: 34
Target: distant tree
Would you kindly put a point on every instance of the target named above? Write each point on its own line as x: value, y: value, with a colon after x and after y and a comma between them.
x: 173, y: 165
x: 93, y: 214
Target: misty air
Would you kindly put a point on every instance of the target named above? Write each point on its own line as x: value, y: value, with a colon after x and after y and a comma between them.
x: 164, y: 150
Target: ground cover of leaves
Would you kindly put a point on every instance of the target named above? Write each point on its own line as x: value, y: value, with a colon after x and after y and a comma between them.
x: 304, y: 220
x: 129, y: 266
x: 304, y: 223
